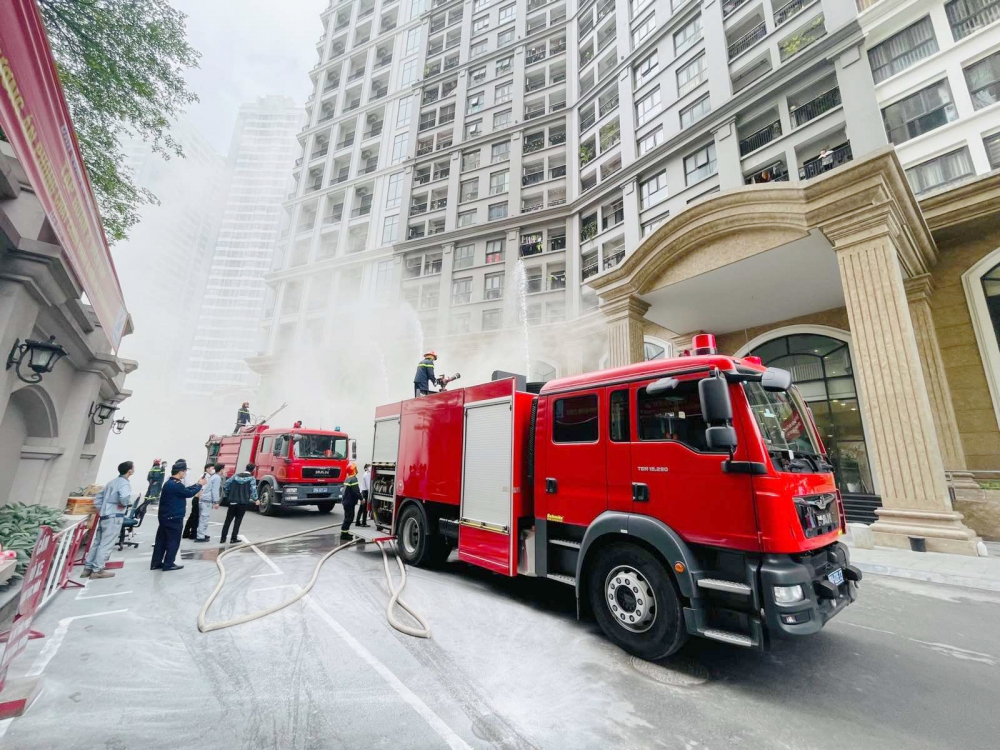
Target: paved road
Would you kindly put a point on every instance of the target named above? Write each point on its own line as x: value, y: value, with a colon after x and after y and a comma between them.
x: 914, y: 665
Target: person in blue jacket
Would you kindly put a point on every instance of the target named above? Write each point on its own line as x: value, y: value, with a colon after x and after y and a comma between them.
x: 173, y: 503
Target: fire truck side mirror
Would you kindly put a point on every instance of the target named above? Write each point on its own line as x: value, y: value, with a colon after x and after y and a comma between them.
x: 715, y: 404
x: 776, y: 379
x: 721, y: 438
x: 354, y: 450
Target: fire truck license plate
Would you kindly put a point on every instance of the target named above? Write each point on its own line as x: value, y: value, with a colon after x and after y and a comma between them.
x: 836, y: 577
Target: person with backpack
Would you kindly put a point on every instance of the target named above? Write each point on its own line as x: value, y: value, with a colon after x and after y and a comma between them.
x: 241, y: 493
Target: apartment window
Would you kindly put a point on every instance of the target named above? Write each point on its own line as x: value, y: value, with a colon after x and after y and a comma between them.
x: 507, y: 13
x: 469, y: 190
x: 700, y: 164
x: 477, y: 76
x: 492, y: 320
x: 687, y: 36
x: 474, y: 103
x: 499, y: 182
x: 429, y: 296
x: 409, y: 72
x: 478, y: 49
x: 416, y: 8
x: 500, y: 152
x: 480, y: 5
x: 940, y: 171
x: 501, y: 119
x: 405, y: 112
x: 648, y: 106
x: 464, y: 256
x: 694, y: 112
x: 498, y: 211
x: 394, y: 191
x: 983, y: 79
x: 494, y: 251
x: 398, y: 149
x: 505, y: 37
x: 503, y: 93
x: 504, y: 65
x: 480, y: 24
x: 691, y: 75
x: 651, y: 140
x: 459, y: 323
x: 470, y: 160
x: 461, y: 291
x: 920, y: 113
x: 390, y: 230
x: 992, y: 144
x: 412, y: 41
x: 643, y: 30
x: 493, y: 288
x: 467, y: 218
x: 473, y: 129
x: 645, y: 70
x: 968, y: 16
x: 383, y: 276
x: 653, y: 190
x: 899, y: 52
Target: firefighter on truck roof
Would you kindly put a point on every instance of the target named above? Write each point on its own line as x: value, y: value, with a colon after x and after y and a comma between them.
x: 425, y: 375
x: 242, y: 416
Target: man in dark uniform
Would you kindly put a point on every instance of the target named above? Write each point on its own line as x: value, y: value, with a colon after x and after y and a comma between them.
x: 171, y: 517
x: 349, y: 500
x: 243, y: 416
x: 425, y: 375
x: 155, y: 478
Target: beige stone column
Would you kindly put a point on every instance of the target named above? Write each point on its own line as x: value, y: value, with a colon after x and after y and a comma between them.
x: 887, y: 363
x: 918, y: 292
x: 625, y: 316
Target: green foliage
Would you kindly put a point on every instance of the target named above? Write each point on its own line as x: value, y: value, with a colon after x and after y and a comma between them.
x: 121, y: 63
x: 990, y: 484
x: 19, y: 525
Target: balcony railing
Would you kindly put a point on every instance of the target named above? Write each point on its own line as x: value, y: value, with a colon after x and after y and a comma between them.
x: 587, y: 122
x: 534, y: 110
x: 353, y: 105
x: 761, y: 138
x: 534, y: 85
x: 378, y: 94
x: 363, y: 210
x: 557, y: 105
x: 789, y: 10
x: 748, y: 40
x: 334, y: 214
x: 610, y: 261
x: 418, y: 208
x: 615, y: 217
x: 451, y: 63
x: 557, y: 243
x: 730, y: 6
x: 824, y: 163
x: 815, y: 107
x: 531, y: 248
x: 556, y: 138
x: 372, y: 166
x: 535, y: 206
x: 320, y: 152
x: 415, y: 233
x: 588, y: 231
x: 422, y: 179
x: 534, y: 56
x: 383, y: 61
x: 776, y: 172
x: 356, y: 75
x: 589, y: 270
x: 559, y: 171
x: 556, y: 47
x: 531, y: 178
x: 438, y: 204
x: 534, y: 144
x: 375, y: 130
x: 981, y: 17
x: 348, y: 141
x: 864, y: 5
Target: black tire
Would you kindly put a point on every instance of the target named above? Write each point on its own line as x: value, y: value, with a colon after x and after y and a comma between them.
x: 650, y: 628
x: 414, y: 543
x: 324, y: 507
x: 266, y: 497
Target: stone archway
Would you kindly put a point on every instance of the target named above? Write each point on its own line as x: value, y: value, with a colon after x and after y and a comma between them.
x: 39, y: 411
x: 30, y: 414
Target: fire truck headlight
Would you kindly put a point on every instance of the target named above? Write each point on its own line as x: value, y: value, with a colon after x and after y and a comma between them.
x: 291, y: 490
x: 788, y: 594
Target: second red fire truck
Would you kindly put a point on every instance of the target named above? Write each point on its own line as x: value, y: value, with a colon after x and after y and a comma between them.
x: 689, y: 496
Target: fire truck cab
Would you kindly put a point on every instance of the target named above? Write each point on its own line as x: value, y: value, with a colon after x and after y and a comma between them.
x: 680, y: 497
x: 295, y: 466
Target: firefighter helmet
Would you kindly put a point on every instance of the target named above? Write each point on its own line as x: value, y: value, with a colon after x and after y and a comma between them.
x: 156, y: 462
x: 431, y: 355
x: 352, y: 469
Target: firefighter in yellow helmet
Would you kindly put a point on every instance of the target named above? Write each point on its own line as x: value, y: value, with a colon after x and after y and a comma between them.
x: 349, y: 500
x: 424, y: 378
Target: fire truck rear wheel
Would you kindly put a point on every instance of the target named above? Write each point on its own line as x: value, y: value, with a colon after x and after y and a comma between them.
x: 414, y: 538
x: 635, y: 601
x: 266, y: 498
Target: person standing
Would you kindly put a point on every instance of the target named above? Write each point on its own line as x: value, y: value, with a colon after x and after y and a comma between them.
x: 155, y: 478
x: 194, y: 518
x: 241, y: 493
x: 350, y: 498
x: 242, y: 416
x: 365, y: 484
x: 208, y: 499
x: 110, y: 505
x: 424, y: 376
x: 171, y: 516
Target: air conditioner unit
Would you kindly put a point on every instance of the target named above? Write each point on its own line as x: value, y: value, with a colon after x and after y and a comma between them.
x: 365, y: 155
x: 362, y: 191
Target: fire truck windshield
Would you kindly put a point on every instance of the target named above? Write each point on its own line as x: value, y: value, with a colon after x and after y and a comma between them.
x: 782, y: 420
x: 321, y: 446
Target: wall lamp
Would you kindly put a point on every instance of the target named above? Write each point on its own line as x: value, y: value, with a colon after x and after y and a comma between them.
x: 118, y: 425
x: 38, y: 356
x: 100, y: 413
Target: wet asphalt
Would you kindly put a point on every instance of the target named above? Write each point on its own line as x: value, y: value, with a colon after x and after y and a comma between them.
x: 910, y: 665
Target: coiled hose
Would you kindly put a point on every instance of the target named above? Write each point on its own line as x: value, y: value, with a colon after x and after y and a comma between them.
x: 395, y: 592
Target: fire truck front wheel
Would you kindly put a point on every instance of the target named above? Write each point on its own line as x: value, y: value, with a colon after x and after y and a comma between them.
x: 635, y: 601
x: 266, y: 497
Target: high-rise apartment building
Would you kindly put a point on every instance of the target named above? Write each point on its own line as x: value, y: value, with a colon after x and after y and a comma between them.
x: 262, y: 152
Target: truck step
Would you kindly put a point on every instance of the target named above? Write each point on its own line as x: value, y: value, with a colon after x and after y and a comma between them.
x: 565, y: 543
x: 730, y: 587
x: 569, y: 580
x: 736, y: 639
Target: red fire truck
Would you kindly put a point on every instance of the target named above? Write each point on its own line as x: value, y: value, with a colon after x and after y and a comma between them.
x: 689, y: 496
x: 295, y: 466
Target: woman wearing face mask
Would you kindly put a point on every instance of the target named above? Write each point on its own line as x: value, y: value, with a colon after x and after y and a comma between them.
x: 173, y: 502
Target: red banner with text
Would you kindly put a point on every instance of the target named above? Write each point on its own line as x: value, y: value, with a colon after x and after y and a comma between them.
x: 35, y: 119
x: 32, y: 590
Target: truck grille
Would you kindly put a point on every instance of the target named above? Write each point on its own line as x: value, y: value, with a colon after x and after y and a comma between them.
x: 818, y: 514
x: 320, y: 472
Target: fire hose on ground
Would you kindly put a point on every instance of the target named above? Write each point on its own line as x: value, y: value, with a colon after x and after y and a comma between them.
x: 395, y: 592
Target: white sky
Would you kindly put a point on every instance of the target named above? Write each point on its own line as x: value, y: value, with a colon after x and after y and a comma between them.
x: 249, y: 48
